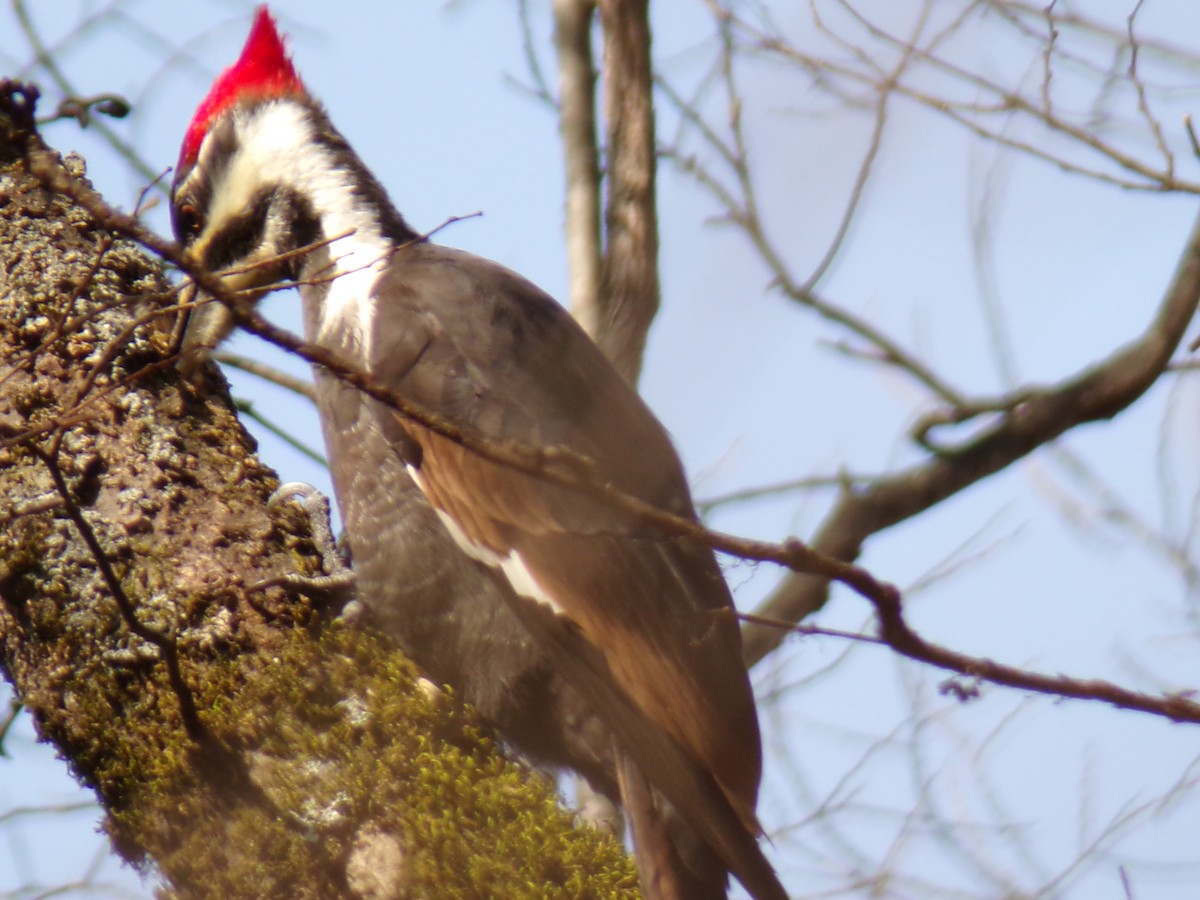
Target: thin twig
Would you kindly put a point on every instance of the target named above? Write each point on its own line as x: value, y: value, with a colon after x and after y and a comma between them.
x: 260, y: 369
x: 47, y: 61
x: 246, y: 408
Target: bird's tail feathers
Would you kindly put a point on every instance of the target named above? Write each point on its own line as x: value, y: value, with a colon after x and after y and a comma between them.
x: 653, y: 758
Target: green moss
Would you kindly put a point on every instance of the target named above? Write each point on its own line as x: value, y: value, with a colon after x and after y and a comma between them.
x: 353, y: 745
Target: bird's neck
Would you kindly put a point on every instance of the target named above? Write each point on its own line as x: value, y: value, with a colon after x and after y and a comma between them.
x: 337, y: 279
x: 357, y: 227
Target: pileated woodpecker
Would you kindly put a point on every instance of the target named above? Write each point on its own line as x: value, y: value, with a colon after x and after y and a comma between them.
x: 590, y: 638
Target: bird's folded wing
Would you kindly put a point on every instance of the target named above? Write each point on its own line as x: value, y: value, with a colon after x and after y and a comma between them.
x: 489, y: 352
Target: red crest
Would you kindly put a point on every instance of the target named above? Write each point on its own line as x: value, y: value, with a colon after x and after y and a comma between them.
x: 262, y: 71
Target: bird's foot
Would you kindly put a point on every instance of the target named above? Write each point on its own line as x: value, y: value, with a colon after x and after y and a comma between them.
x: 337, y: 585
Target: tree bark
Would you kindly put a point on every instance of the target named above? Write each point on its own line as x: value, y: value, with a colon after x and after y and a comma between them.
x: 581, y: 158
x: 242, y: 742
x: 629, y: 290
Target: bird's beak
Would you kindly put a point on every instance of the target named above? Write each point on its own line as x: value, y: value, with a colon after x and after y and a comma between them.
x: 209, y: 321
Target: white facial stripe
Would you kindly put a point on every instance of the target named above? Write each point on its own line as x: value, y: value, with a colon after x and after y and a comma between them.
x: 277, y: 146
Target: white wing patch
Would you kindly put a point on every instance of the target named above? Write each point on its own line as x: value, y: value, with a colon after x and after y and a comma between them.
x: 525, y: 584
x: 512, y: 566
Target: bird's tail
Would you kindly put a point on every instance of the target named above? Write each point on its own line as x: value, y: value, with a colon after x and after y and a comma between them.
x: 687, y: 834
x: 673, y: 864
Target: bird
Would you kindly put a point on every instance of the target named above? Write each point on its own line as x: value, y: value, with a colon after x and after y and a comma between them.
x: 589, y: 637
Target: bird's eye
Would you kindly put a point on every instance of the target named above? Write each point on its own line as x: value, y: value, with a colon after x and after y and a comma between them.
x: 187, y: 222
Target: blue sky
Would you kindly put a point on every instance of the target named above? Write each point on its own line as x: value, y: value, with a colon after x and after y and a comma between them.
x: 1032, y: 568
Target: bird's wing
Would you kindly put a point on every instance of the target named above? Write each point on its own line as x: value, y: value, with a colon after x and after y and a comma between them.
x: 486, y: 350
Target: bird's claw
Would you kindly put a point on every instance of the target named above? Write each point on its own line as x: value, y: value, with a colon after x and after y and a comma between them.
x: 338, y: 582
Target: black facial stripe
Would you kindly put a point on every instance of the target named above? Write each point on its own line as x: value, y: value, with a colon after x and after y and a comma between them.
x: 241, y: 235
x: 298, y: 219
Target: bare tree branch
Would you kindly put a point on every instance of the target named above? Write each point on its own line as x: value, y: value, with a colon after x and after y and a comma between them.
x: 629, y: 288
x: 266, y: 373
x: 1100, y: 391
x: 577, y: 129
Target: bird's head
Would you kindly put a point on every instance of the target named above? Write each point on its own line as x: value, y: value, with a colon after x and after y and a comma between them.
x: 243, y: 193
